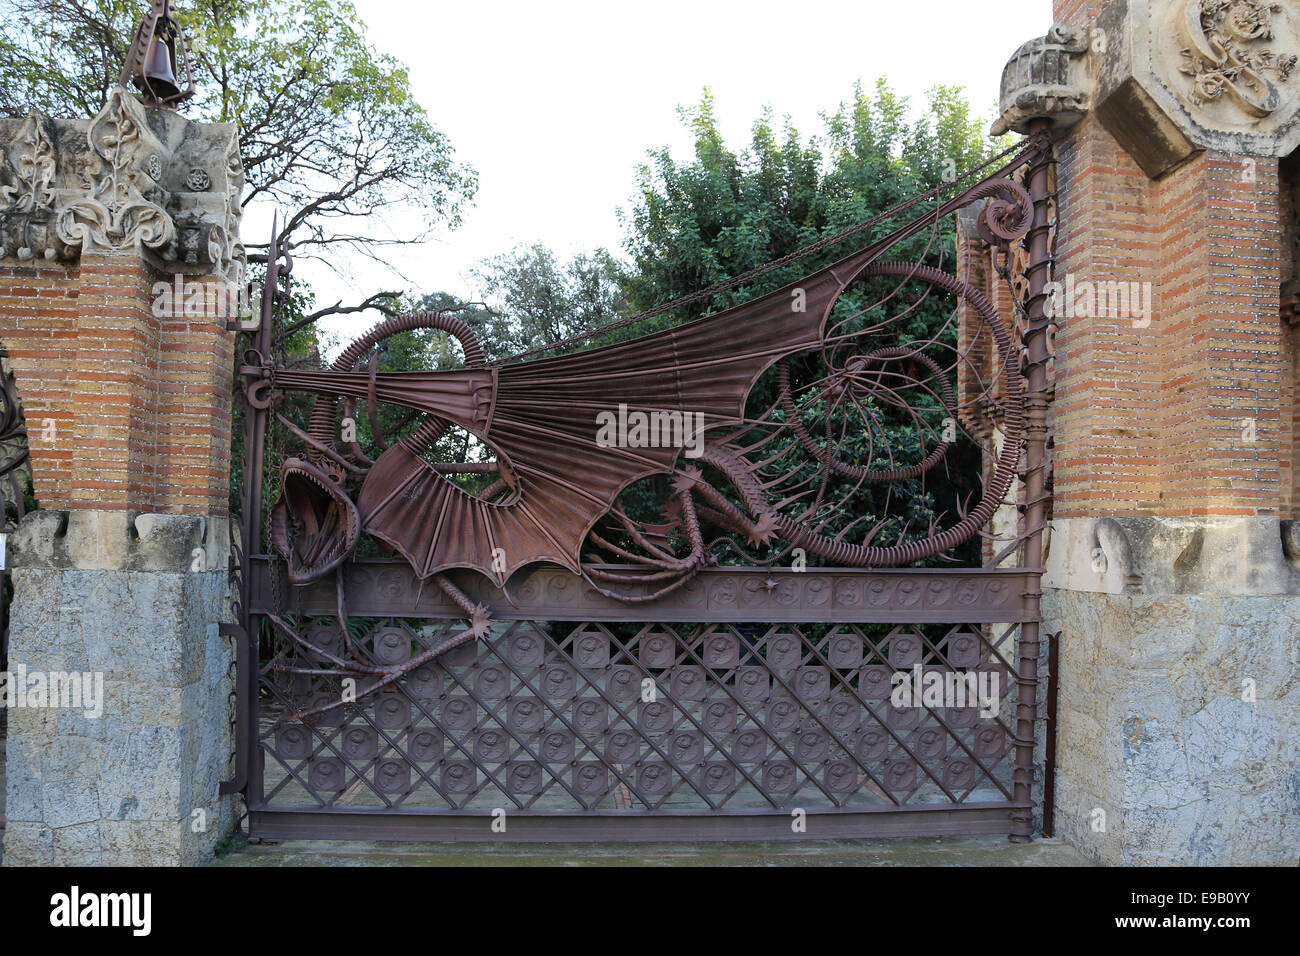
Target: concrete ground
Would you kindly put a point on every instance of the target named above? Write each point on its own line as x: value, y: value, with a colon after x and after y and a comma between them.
x: 949, y: 851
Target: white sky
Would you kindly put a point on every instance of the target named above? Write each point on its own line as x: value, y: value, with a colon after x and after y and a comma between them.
x: 556, y: 103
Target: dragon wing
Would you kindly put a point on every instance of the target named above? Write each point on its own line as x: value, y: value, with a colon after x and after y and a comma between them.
x: 544, y: 423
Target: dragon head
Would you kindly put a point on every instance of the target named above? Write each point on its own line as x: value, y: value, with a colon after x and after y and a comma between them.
x: 314, y: 524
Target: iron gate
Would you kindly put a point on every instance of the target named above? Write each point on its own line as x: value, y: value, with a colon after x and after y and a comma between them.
x: 573, y: 639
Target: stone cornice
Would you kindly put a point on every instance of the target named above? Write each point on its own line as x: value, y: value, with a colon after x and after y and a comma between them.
x: 1129, y: 554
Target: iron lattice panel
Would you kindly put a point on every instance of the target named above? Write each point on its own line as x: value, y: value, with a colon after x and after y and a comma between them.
x: 563, y: 717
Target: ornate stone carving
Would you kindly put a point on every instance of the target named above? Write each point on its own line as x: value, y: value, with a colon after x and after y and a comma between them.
x: 117, y: 214
x: 31, y: 157
x: 1167, y: 78
x: 130, y: 178
x: 1046, y: 79
x: 1223, y: 56
x: 27, y: 192
x: 1169, y: 555
x: 232, y: 257
x: 1181, y: 76
x: 1291, y: 543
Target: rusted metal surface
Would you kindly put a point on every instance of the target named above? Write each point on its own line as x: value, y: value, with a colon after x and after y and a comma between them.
x: 1050, y: 730
x: 1037, y: 356
x: 558, y: 481
x: 502, y: 657
x: 382, y: 588
x: 576, y: 717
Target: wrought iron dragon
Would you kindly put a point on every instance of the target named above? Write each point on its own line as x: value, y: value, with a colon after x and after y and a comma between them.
x: 763, y: 482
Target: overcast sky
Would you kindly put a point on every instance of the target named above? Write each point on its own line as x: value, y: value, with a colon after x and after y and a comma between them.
x: 555, y: 103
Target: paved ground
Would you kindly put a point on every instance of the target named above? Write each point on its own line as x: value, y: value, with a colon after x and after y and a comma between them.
x: 964, y: 851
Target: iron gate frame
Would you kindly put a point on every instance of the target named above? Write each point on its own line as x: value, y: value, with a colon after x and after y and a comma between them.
x: 1007, y: 596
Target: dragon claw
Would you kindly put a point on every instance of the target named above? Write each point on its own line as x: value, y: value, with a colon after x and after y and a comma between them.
x: 480, y: 622
x: 686, y: 478
x: 764, y: 529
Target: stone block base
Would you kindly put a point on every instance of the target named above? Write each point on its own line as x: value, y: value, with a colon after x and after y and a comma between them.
x: 1179, y: 727
x: 128, y: 775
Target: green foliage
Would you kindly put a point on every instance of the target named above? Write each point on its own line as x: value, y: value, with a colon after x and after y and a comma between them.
x: 723, y: 212
x: 231, y: 843
x: 539, y: 300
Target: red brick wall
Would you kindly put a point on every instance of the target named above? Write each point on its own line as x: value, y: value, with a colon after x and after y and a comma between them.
x: 38, y: 328
x: 975, y: 369
x: 1107, y: 378
x: 1289, y: 190
x: 1220, y: 272
x: 139, y: 404
x: 1076, y: 13
x: 1149, y: 421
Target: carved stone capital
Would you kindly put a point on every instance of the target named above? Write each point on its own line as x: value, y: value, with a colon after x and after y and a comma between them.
x: 120, y: 541
x: 130, y: 178
x: 1167, y: 555
x: 1047, y: 78
x: 1180, y: 76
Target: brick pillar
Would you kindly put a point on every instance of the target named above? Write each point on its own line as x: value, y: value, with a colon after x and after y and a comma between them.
x: 1168, y: 576
x: 120, y: 579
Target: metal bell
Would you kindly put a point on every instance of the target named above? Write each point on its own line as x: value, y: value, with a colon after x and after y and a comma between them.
x: 159, y: 61
x: 158, y: 79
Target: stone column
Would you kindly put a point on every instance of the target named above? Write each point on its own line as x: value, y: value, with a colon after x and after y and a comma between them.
x: 119, y: 273
x: 1166, y: 577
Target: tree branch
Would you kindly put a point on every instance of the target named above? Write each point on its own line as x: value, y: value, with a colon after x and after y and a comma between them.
x: 380, y: 301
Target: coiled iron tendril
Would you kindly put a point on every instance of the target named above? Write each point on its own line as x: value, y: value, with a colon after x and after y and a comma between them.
x: 321, y: 423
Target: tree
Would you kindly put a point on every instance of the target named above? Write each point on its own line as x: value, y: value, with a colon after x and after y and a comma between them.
x: 723, y: 213
x: 328, y: 127
x: 539, y: 301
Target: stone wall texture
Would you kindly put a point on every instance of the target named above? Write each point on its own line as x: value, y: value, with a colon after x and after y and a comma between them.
x: 123, y: 787
x: 1155, y: 732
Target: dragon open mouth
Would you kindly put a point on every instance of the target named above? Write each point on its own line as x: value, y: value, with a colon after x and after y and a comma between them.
x: 314, y: 525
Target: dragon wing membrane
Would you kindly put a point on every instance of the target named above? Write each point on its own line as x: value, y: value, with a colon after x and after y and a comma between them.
x: 543, y: 424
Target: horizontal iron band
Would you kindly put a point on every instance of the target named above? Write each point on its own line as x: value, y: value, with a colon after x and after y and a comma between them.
x: 557, y: 826
x: 382, y: 588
